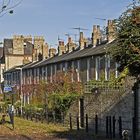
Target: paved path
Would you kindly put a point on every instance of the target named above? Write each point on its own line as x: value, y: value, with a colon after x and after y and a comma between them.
x: 2, y: 137
x: 17, y: 137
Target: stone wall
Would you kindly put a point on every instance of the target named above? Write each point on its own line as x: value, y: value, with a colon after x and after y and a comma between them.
x: 108, y: 103
x: 15, y: 60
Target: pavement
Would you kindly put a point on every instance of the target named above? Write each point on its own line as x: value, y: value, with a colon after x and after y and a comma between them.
x: 2, y: 137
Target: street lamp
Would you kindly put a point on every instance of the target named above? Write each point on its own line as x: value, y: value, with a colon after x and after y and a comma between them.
x: 21, y: 93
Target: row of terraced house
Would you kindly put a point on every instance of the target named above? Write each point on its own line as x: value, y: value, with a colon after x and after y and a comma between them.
x: 89, y: 60
x: 27, y: 62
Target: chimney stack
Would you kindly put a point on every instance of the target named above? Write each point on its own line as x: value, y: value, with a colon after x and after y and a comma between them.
x: 61, y: 48
x: 82, y: 41
x: 69, y: 40
x: 45, y: 51
x: 96, y: 35
x: 52, y: 52
x: 111, y: 30
x: 70, y: 46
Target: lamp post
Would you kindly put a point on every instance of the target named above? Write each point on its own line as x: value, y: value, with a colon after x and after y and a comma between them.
x: 21, y: 93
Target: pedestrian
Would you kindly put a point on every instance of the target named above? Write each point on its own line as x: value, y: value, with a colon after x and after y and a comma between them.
x: 11, y: 114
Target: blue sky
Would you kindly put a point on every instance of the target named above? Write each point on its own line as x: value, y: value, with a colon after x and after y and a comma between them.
x: 51, y: 18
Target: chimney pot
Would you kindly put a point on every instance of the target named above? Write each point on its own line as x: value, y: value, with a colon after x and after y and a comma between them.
x: 96, y: 35
x: 81, y: 35
x: 69, y: 40
x: 110, y: 30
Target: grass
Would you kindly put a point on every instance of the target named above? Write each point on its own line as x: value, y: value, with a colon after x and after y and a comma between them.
x: 31, y: 129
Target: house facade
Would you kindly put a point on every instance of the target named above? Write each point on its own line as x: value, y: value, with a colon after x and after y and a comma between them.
x: 21, y: 50
x: 86, y: 62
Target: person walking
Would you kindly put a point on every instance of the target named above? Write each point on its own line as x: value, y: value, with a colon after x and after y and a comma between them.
x: 11, y: 114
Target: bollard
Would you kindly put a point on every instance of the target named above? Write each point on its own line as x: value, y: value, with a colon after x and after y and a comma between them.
x: 87, y: 123
x: 3, y: 119
x: 36, y: 117
x: 70, y: 121
x: 62, y: 118
x: 27, y: 115
x: 42, y: 117
x: 53, y: 117
x: 110, y: 127
x: 134, y: 128
x: 31, y: 117
x: 96, y: 124
x: 120, y: 127
x: 81, y: 112
x: 107, y: 127
x: 77, y: 120
x: 114, y: 126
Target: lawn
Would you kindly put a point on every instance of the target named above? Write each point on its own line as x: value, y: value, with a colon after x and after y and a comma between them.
x: 31, y: 130
x: 34, y: 130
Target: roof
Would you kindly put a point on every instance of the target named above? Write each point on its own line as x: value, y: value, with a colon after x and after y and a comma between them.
x: 13, y: 69
x: 30, y: 65
x: 87, y: 52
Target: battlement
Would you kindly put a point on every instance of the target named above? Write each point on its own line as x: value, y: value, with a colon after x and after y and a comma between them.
x: 18, y: 37
x: 29, y: 37
x: 38, y: 38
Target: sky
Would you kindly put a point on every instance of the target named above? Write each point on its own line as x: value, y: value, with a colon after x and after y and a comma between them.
x: 53, y: 18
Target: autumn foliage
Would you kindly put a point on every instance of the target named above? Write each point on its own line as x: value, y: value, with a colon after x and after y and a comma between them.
x: 61, y: 84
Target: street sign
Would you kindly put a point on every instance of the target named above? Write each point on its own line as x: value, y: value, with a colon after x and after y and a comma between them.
x: 7, y: 89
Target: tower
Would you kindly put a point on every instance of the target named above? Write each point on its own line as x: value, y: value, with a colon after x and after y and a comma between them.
x: 18, y: 44
x: 38, y: 47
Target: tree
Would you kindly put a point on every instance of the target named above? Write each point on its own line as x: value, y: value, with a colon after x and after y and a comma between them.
x: 7, y: 6
x: 126, y: 51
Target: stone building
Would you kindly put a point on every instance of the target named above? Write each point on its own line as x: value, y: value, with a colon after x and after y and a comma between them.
x: 89, y: 62
x: 21, y: 50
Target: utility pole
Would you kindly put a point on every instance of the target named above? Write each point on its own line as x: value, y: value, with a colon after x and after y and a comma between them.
x: 79, y: 29
x: 60, y: 39
x: 75, y: 36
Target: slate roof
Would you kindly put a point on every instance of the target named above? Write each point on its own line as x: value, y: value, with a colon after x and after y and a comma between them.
x: 32, y: 64
x: 87, y: 52
x: 77, y: 54
x: 13, y: 69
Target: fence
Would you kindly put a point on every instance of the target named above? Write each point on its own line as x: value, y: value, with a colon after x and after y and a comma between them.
x: 109, y: 126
